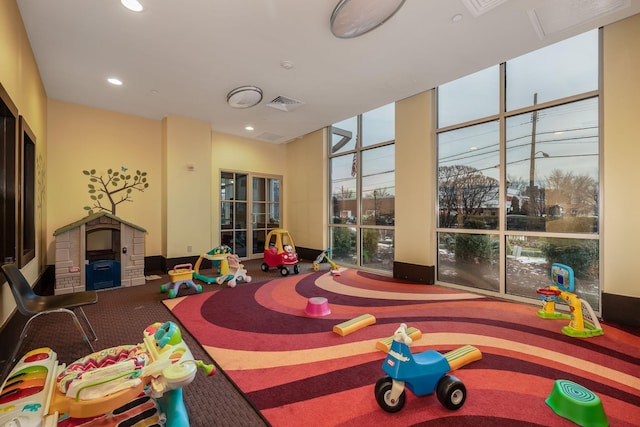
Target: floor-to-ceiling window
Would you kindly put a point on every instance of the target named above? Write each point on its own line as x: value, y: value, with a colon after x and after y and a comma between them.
x: 518, y: 172
x: 250, y: 208
x: 362, y: 189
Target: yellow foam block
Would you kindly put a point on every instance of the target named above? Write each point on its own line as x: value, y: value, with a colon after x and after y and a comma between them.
x: 462, y: 356
x: 385, y: 344
x: 345, y: 328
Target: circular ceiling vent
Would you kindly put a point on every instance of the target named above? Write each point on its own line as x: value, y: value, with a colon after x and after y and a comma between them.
x: 244, y: 97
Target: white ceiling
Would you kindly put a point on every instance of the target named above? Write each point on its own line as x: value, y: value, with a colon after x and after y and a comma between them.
x: 182, y: 57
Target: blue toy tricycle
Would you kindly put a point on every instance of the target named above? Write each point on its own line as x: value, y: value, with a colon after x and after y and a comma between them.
x: 422, y: 373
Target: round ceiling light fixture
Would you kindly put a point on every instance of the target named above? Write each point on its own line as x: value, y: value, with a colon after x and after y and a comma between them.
x: 353, y: 18
x: 132, y: 5
x: 244, y: 97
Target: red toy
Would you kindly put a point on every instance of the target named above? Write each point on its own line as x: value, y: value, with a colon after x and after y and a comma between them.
x: 280, y: 252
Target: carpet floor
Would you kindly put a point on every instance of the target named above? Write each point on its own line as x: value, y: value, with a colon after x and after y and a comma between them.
x: 296, y: 371
x: 120, y: 317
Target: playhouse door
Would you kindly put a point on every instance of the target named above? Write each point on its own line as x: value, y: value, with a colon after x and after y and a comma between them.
x: 103, y: 275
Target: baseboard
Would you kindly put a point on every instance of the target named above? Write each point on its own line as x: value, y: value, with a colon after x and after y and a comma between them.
x: 154, y: 264
x: 307, y: 253
x: 414, y: 272
x: 621, y: 309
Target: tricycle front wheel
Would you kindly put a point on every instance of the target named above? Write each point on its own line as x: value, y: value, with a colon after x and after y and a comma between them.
x: 383, y: 395
x: 451, y: 392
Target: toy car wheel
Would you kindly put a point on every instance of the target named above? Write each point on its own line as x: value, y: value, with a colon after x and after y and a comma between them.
x: 315, y: 267
x: 232, y: 283
x: 199, y: 289
x: 264, y: 267
x: 381, y: 382
x: 284, y: 271
x: 383, y: 394
x: 172, y: 293
x: 296, y: 269
x: 163, y: 288
x: 451, y: 392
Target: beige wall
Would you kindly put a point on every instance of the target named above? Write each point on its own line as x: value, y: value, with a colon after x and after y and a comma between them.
x: 305, y: 190
x: 20, y: 77
x: 415, y: 186
x: 85, y: 138
x: 235, y: 154
x: 621, y: 156
x: 187, y: 173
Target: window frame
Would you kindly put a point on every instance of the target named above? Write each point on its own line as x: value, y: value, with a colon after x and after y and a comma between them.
x: 501, y: 231
x: 359, y: 226
x: 26, y: 192
x: 9, y: 223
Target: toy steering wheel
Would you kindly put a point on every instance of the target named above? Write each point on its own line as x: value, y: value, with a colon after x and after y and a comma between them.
x: 548, y: 292
x: 165, y: 333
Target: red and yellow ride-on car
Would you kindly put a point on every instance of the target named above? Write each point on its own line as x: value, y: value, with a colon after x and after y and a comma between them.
x: 280, y: 252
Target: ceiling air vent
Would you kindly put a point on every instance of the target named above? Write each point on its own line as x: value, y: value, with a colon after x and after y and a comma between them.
x: 284, y: 103
x: 548, y: 18
x: 480, y: 7
x: 271, y: 137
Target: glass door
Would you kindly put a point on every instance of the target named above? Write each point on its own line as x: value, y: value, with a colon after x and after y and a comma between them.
x: 233, y: 212
x: 248, y: 212
x: 266, y: 211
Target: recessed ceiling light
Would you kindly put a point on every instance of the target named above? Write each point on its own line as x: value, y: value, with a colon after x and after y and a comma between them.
x: 132, y: 5
x: 457, y: 17
x: 114, y: 81
x: 248, y: 127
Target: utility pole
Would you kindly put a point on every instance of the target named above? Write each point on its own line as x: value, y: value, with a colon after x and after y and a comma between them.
x: 532, y: 159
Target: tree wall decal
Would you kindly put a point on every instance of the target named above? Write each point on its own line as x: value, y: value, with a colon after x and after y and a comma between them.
x: 108, y: 192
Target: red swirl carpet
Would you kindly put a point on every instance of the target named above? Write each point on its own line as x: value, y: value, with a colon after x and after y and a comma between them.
x: 296, y: 371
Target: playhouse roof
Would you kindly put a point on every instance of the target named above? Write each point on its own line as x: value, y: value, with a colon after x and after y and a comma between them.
x: 90, y: 218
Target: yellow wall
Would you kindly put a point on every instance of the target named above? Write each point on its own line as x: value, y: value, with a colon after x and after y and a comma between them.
x: 84, y: 138
x: 187, y: 171
x: 20, y: 77
x: 235, y: 154
x: 415, y: 186
x: 304, y: 192
x: 621, y: 154
x: 71, y: 138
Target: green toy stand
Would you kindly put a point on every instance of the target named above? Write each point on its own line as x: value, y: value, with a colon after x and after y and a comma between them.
x: 576, y: 403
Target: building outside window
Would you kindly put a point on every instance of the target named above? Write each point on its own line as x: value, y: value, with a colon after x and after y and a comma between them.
x: 362, y: 189
x: 518, y: 172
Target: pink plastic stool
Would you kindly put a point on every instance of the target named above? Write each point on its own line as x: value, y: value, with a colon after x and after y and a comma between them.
x: 317, y: 306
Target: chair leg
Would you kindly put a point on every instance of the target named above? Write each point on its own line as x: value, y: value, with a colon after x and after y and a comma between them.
x: 12, y: 359
x: 78, y: 325
x: 25, y: 329
x: 95, y: 337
